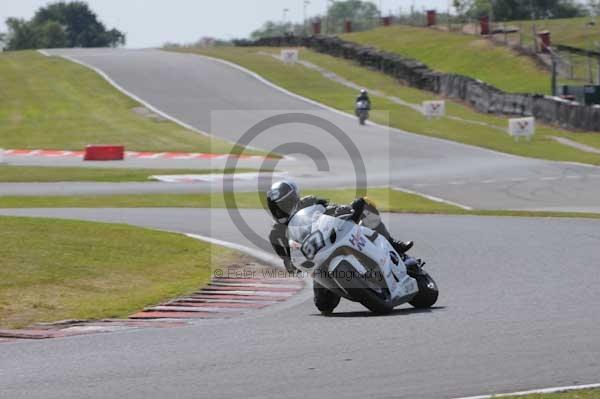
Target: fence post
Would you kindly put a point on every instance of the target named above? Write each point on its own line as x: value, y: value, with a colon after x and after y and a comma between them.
x: 554, y: 72
x: 590, y: 73
x: 484, y: 23
x: 534, y: 31
x: 520, y: 35
x: 316, y: 27
x: 431, y: 18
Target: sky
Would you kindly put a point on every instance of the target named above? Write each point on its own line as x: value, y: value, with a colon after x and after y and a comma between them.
x: 150, y: 23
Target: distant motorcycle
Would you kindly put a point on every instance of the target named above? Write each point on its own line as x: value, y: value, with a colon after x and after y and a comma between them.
x: 351, y: 261
x: 362, y: 111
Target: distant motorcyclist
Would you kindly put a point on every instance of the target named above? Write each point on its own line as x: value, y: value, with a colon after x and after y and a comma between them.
x: 363, y: 106
x: 364, y: 96
x: 284, y: 201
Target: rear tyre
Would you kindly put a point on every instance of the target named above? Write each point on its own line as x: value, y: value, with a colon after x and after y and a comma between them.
x: 326, y: 301
x: 428, y: 292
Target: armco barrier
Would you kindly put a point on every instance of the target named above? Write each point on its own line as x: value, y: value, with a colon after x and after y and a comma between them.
x: 481, y: 96
x: 104, y: 153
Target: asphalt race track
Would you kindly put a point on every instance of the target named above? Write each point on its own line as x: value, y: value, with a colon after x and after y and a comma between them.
x: 225, y: 101
x: 518, y: 310
x: 519, y: 296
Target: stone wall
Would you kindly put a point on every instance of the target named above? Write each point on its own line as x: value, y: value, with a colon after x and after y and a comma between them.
x: 481, y: 96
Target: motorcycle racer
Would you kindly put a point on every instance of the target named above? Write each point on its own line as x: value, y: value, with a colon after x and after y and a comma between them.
x: 284, y: 201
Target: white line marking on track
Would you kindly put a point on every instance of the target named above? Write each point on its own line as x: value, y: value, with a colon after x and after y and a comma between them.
x: 144, y: 103
x: 550, y: 178
x: 257, y: 253
x: 573, y: 177
x: 432, y: 198
x: 130, y: 94
x: 535, y: 391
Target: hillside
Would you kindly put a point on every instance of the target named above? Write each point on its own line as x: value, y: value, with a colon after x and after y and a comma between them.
x: 573, y: 32
x: 461, y: 54
x: 52, y: 103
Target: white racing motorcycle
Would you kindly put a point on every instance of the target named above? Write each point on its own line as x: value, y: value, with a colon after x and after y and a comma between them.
x: 349, y: 260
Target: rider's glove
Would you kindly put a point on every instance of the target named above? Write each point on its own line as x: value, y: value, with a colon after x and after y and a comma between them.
x: 358, y: 205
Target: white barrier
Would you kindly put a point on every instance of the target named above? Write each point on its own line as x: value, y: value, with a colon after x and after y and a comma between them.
x: 521, y: 127
x: 1, y: 156
x: 289, y: 56
x: 434, y: 109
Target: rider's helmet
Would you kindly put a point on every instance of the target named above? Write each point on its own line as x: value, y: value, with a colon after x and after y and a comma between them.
x: 363, y: 92
x: 282, y: 198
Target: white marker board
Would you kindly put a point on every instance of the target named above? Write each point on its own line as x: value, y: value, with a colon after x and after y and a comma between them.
x: 434, y: 109
x: 521, y: 127
x: 289, y: 56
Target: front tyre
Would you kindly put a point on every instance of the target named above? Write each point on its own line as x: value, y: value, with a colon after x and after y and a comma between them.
x: 326, y: 301
x: 428, y: 292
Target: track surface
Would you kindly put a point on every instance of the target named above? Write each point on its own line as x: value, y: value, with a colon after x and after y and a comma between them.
x: 517, y: 311
x: 519, y: 296
x: 225, y: 101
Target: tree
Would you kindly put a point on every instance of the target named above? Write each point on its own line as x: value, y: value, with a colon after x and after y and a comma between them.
x: 21, y: 34
x: 462, y: 6
x: 51, y: 34
x: 363, y: 14
x: 505, y: 10
x: 62, y: 24
x: 272, y: 29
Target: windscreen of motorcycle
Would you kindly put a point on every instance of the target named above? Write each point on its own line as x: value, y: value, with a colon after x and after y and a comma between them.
x: 300, y: 226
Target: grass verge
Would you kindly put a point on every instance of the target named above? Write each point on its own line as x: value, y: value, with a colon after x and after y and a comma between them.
x: 52, y: 103
x: 38, y: 174
x: 462, y: 54
x: 574, y: 32
x: 579, y: 394
x: 387, y: 200
x: 313, y: 85
x: 56, y: 269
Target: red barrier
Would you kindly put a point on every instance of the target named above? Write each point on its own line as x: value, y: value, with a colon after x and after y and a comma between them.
x: 386, y: 21
x: 546, y: 41
x: 485, y: 25
x: 316, y: 27
x: 348, y: 26
x: 104, y: 153
x: 431, y: 18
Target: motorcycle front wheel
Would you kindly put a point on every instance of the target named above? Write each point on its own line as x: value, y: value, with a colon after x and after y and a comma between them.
x: 428, y: 291
x: 326, y: 301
